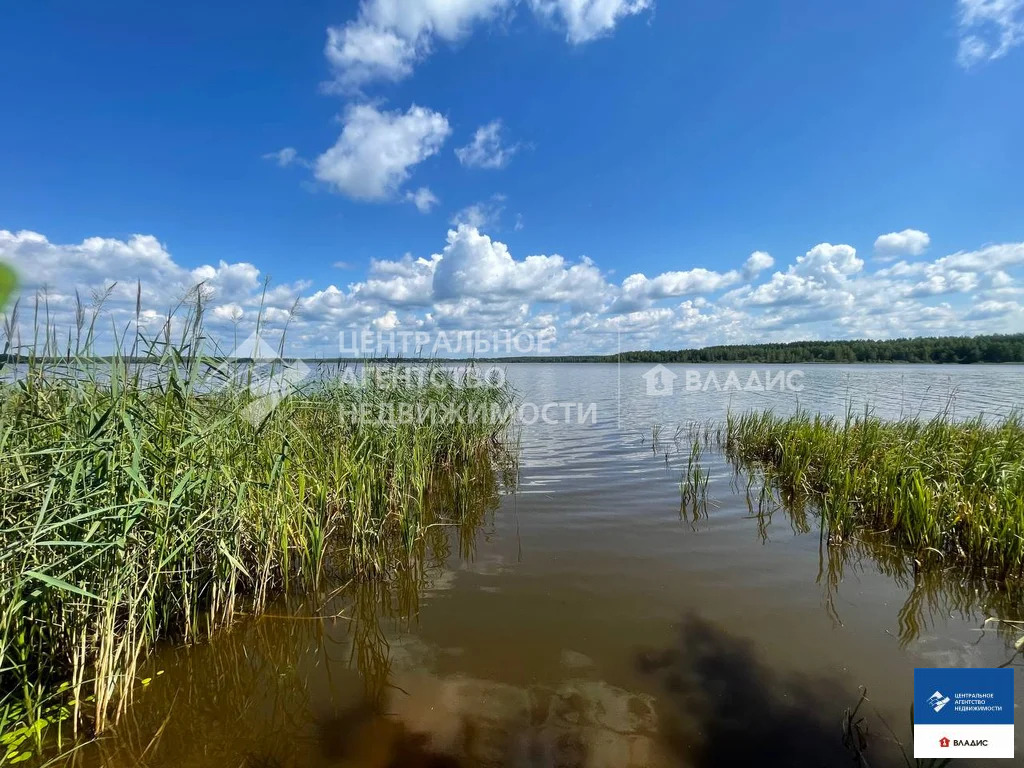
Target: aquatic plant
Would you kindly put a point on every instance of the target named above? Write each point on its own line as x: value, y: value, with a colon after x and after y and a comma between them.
x: 693, y: 487
x: 143, y: 501
x: 943, y: 489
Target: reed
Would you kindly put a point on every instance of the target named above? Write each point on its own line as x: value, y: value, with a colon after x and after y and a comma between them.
x: 943, y: 489
x: 693, y: 487
x: 140, y: 502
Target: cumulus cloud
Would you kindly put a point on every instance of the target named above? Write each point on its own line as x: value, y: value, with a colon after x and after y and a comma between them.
x: 122, y: 271
x: 989, y: 29
x: 231, y: 312
x: 387, y: 38
x: 909, y: 242
x: 474, y: 265
x: 486, y: 150
x: 407, y: 283
x: 817, y: 278
x: 376, y: 150
x: 585, y: 20
x: 474, y: 281
x: 828, y: 263
x: 756, y: 263
x: 360, y: 52
x: 638, y: 291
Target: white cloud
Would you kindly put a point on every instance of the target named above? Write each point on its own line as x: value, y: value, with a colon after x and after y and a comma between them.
x: 938, y: 284
x: 828, y: 263
x: 909, y: 242
x: 94, y: 264
x: 359, y: 53
x: 141, y: 262
x: 386, y: 322
x: 638, y: 291
x: 284, y: 157
x: 819, y: 277
x: 482, y: 215
x: 756, y: 263
x: 423, y: 199
x: 987, y: 259
x: 232, y: 313
x: 376, y: 150
x: 991, y: 309
x: 486, y: 149
x: 472, y: 264
x: 473, y: 216
x: 388, y: 38
x: 227, y: 282
x: 585, y: 20
x: 408, y: 282
x: 989, y: 29
x: 475, y: 281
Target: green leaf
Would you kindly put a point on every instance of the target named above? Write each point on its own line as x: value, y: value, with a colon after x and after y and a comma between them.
x: 7, y: 284
x: 60, y: 584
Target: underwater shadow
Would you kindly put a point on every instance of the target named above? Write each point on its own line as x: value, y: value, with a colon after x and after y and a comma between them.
x: 722, y: 706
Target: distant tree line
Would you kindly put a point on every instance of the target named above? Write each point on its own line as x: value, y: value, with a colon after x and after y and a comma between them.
x: 1008, y: 348
x: 997, y: 348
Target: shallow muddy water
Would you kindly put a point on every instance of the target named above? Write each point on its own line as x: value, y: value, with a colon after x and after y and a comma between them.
x: 588, y: 621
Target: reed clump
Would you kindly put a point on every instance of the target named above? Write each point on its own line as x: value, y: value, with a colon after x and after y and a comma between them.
x: 944, y: 489
x: 159, y: 493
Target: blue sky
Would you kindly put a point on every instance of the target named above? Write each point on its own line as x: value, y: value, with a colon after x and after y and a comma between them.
x: 640, y: 153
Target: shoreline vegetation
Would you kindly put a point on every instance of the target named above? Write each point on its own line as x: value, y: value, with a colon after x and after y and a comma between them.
x: 141, y: 505
x: 955, y: 350
x: 946, y: 492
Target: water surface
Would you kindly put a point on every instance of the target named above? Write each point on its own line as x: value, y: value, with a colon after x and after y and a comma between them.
x: 588, y: 621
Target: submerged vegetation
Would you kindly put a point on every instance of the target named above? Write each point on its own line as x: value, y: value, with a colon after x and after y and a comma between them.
x: 944, y: 490
x: 139, y: 503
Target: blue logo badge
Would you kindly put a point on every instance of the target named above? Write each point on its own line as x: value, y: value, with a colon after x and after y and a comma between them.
x: 963, y: 713
x: 963, y: 696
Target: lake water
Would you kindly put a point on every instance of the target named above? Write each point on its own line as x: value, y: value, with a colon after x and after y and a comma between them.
x: 588, y: 622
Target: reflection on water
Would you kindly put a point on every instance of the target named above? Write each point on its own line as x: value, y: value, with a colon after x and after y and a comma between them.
x: 281, y: 692
x: 731, y: 709
x: 932, y: 594
x: 580, y: 622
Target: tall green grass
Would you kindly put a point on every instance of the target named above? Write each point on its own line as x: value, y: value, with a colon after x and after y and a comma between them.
x: 946, y: 490
x: 145, y: 501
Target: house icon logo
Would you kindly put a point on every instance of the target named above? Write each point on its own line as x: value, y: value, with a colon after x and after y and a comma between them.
x: 660, y: 381
x: 943, y: 742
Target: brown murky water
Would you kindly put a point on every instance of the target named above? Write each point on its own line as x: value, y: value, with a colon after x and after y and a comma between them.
x: 587, y: 622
